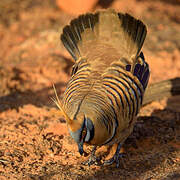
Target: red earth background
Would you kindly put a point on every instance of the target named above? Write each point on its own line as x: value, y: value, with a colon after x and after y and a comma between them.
x: 34, y: 141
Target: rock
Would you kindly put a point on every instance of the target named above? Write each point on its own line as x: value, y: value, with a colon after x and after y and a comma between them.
x: 76, y: 7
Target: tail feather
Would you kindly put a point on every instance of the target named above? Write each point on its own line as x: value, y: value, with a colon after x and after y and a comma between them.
x: 120, y: 32
x: 134, y: 31
x: 72, y: 34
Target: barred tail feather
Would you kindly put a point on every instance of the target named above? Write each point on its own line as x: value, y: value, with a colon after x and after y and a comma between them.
x: 72, y: 34
x: 120, y: 31
x: 134, y: 32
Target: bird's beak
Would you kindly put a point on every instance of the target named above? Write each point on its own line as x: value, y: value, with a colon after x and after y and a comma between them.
x: 80, y: 147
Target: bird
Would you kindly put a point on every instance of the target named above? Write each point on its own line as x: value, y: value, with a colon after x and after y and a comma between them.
x: 108, y: 81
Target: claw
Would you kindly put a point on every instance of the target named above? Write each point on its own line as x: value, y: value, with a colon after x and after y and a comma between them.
x: 115, y: 158
x: 92, y: 159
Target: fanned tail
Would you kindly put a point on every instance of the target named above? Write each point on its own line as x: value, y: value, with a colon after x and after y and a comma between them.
x: 122, y: 32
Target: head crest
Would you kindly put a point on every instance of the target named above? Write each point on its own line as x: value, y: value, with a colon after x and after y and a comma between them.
x: 59, y: 105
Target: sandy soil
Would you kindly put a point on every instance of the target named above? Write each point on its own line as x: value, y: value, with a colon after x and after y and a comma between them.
x: 34, y: 142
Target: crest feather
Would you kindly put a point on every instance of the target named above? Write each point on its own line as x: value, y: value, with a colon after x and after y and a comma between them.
x: 58, y: 103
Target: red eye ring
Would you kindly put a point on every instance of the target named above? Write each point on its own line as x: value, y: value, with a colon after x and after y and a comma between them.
x: 83, y: 134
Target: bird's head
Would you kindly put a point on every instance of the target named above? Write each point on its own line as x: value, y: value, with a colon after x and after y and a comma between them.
x: 81, y: 130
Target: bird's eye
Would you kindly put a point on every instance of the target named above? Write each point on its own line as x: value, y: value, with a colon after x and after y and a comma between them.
x: 84, y: 132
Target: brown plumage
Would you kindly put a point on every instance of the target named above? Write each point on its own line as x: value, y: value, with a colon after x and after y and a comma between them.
x: 108, y: 80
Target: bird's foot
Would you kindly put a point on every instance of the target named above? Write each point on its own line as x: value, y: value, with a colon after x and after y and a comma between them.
x: 115, y: 159
x: 92, y: 160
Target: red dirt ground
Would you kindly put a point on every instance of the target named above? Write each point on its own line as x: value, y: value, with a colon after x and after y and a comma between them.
x: 34, y: 141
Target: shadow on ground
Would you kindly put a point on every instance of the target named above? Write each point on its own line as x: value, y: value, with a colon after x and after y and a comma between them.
x: 39, y: 98
x: 153, y: 144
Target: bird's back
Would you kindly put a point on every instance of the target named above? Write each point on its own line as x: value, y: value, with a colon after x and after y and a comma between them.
x: 110, y: 75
